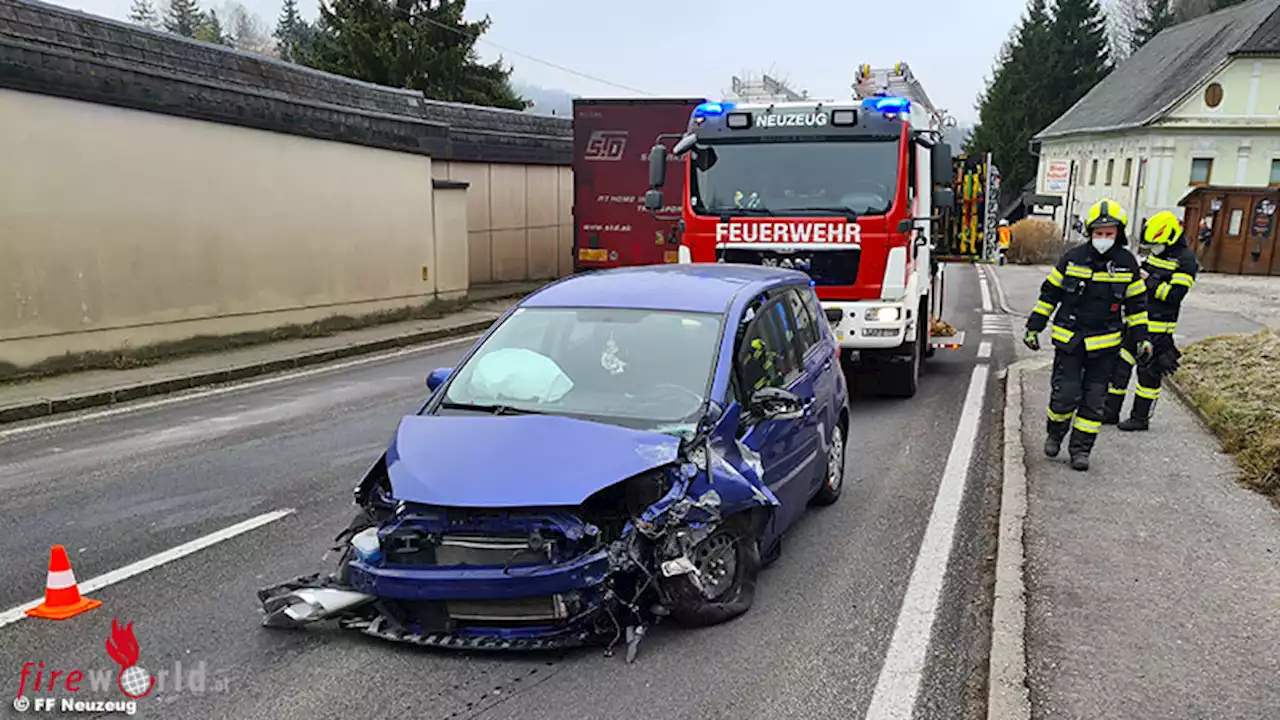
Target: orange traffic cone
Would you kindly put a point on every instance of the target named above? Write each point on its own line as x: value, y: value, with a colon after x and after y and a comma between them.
x: 61, y: 592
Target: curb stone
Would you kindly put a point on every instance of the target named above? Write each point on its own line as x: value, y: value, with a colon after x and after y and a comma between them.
x: 58, y: 406
x: 1182, y: 395
x: 1001, y: 300
x: 1008, y: 694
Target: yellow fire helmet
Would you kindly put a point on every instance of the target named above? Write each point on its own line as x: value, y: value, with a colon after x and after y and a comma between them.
x: 1162, y: 229
x: 1107, y: 212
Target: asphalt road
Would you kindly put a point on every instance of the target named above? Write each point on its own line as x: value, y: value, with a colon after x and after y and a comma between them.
x: 119, y: 489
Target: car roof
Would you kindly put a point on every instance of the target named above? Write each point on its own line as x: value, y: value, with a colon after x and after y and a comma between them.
x: 701, y: 287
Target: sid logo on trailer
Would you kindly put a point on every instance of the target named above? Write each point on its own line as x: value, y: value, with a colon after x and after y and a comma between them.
x: 775, y: 120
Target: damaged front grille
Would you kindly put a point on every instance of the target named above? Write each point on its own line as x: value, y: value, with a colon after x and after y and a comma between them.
x: 513, y: 610
x: 409, y: 546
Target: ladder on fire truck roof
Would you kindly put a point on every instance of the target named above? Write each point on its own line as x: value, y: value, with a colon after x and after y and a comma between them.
x: 897, y: 80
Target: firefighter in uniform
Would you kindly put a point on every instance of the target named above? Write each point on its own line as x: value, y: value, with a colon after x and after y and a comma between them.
x: 1006, y: 238
x: 762, y: 360
x: 1170, y: 272
x: 1096, y: 290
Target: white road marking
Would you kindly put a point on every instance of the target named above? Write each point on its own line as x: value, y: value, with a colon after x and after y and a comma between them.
x: 984, y: 349
x: 91, y: 585
x: 997, y: 324
x: 986, y: 292
x: 900, y: 678
x: 235, y: 387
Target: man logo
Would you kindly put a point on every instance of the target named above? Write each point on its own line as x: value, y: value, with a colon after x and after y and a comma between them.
x: 606, y: 145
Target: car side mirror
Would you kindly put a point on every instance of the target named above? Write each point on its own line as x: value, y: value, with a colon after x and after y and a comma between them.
x: 437, y: 377
x: 653, y: 200
x: 771, y: 403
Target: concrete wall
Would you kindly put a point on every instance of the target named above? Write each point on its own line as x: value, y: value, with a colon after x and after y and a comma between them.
x: 120, y: 226
x: 519, y: 219
x: 452, y: 266
x: 154, y: 188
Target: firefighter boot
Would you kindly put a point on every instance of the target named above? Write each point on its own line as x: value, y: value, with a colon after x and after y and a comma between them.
x: 1139, y: 417
x: 1083, y: 435
x: 1056, y: 432
x: 1115, y: 402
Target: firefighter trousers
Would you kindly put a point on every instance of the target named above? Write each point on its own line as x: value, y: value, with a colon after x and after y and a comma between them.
x: 1078, y: 395
x: 1148, y: 390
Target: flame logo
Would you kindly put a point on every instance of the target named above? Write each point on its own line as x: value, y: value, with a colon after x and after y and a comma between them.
x: 124, y: 650
x: 122, y: 646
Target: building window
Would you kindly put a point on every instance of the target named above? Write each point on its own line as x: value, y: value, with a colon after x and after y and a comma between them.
x: 1111, y: 170
x: 1128, y: 172
x: 1213, y: 95
x: 1201, y: 171
x: 1275, y: 173
x: 1093, y: 172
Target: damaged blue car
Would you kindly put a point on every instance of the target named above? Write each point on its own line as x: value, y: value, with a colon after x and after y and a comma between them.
x: 620, y: 447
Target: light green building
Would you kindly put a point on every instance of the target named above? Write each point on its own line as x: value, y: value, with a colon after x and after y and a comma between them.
x: 1197, y: 105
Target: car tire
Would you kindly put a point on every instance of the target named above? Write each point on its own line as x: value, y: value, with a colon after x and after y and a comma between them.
x: 833, y: 483
x: 690, y: 606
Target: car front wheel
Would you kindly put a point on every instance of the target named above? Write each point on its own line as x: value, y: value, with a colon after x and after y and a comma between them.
x: 724, y: 586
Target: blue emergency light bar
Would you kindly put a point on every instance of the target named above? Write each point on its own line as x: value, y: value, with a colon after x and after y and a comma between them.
x: 887, y: 104
x: 712, y: 109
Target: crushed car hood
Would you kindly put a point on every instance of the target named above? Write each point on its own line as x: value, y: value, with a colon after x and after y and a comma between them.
x: 516, y: 461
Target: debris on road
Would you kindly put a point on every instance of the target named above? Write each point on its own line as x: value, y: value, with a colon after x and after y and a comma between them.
x: 1234, y: 381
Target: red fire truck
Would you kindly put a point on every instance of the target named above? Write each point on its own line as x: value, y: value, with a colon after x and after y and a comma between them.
x: 845, y: 191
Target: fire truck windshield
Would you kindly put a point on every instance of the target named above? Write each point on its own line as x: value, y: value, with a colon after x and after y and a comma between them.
x: 769, y: 176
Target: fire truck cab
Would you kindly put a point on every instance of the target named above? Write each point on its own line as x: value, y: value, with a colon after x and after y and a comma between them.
x: 845, y: 191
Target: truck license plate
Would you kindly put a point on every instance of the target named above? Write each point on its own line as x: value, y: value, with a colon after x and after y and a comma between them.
x: 593, y: 254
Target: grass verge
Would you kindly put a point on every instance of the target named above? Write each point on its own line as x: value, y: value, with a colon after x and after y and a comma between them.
x: 126, y: 357
x: 1234, y: 380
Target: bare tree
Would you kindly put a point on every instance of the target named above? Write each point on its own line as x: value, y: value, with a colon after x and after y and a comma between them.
x: 1124, y: 18
x: 246, y: 29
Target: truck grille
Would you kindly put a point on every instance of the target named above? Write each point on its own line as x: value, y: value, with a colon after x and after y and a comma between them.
x: 826, y: 267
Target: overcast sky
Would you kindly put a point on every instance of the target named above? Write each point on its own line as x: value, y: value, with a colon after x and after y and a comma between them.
x: 694, y: 47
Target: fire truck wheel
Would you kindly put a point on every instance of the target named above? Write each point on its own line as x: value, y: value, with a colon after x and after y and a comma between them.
x: 904, y: 371
x: 929, y: 350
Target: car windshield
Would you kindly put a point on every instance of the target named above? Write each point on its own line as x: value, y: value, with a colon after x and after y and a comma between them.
x: 845, y: 175
x: 643, y: 369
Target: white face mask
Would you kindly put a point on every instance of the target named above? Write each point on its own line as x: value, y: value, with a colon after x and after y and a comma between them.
x: 1159, y: 249
x: 1102, y: 245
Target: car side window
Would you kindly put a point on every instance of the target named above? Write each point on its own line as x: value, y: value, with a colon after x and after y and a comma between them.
x: 767, y: 355
x: 806, y: 324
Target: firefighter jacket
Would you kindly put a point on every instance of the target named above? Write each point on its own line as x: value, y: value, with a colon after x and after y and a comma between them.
x: 1095, y: 298
x: 1169, y: 278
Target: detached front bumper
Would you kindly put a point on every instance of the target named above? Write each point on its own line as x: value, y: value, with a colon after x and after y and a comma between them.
x: 870, y: 325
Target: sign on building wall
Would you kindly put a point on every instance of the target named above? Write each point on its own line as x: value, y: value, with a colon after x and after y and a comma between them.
x: 1057, y: 176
